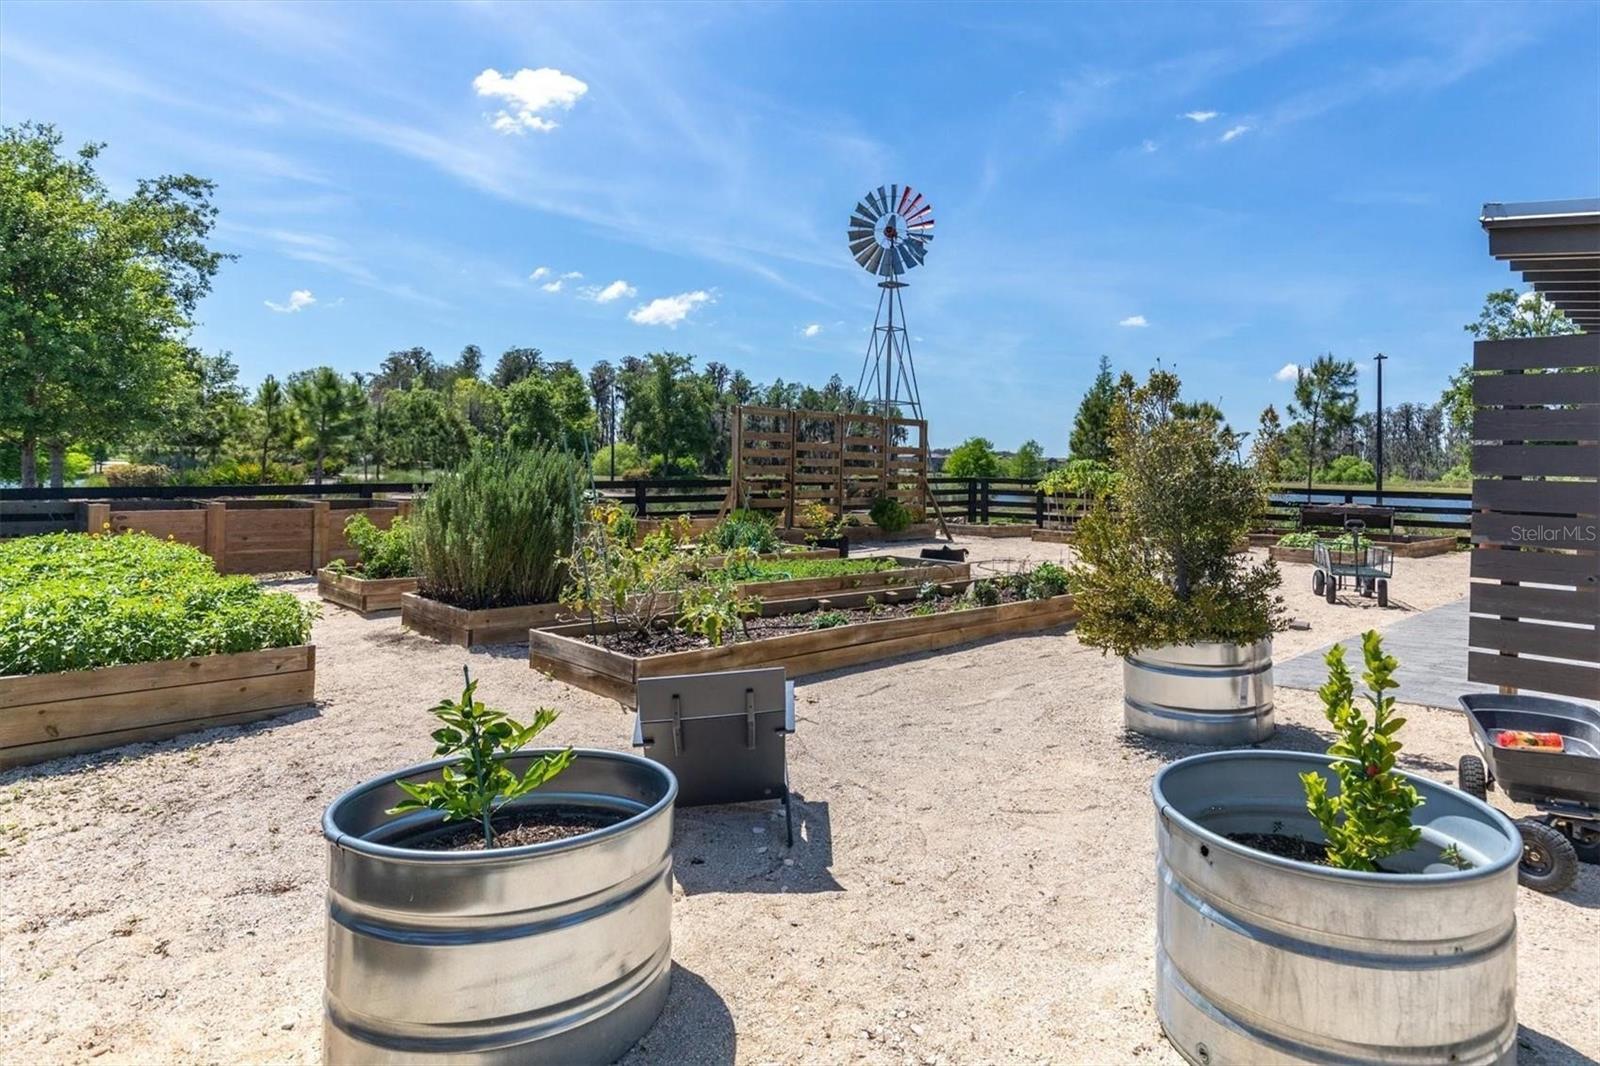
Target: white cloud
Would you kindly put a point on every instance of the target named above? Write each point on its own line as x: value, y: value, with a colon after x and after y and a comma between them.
x: 552, y: 286
x: 811, y: 330
x: 1149, y: 146
x: 1287, y: 372
x: 615, y: 291
x: 1233, y: 132
x: 668, y: 310
x: 1201, y: 116
x: 299, y: 300
x: 572, y: 275
x: 539, y: 272
x: 1134, y: 321
x: 526, y: 93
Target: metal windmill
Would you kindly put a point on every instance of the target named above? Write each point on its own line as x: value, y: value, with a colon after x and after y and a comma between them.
x: 889, y: 234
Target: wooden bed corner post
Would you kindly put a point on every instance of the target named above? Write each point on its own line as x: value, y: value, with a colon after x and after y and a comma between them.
x: 217, y: 532
x: 839, y: 428
x: 794, y: 454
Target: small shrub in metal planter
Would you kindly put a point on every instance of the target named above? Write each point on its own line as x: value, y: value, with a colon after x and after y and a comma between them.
x: 1395, y: 942
x: 548, y: 952
x: 1158, y: 580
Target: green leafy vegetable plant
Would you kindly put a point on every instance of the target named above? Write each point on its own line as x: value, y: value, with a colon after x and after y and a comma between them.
x: 1370, y: 817
x: 1046, y: 580
x: 889, y: 514
x: 750, y: 569
x: 820, y: 521
x: 712, y: 609
x: 744, y: 528
x: 384, y: 552
x: 984, y: 593
x: 479, y: 783
x: 77, y: 601
x: 829, y: 620
x: 608, y: 578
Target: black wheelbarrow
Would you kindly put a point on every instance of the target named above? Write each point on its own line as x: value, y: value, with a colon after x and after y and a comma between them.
x: 1563, y: 784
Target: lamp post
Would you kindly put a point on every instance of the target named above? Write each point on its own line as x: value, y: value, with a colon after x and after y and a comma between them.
x: 1379, y: 359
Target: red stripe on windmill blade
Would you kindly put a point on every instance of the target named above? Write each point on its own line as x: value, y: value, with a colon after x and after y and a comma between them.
x: 919, y: 212
x: 906, y: 199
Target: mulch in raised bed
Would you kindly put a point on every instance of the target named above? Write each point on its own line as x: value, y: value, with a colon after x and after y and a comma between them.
x: 665, y: 637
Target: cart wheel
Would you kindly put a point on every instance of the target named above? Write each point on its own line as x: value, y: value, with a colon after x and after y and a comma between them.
x: 1383, y: 593
x: 1366, y: 587
x: 1472, y: 778
x: 1549, y: 862
x: 1585, y: 841
x: 1318, y: 579
x: 1332, y: 591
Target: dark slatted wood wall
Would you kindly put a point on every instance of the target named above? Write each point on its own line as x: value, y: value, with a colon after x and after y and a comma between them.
x: 1536, y: 515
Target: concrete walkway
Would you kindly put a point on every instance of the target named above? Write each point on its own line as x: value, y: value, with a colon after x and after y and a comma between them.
x: 1431, y: 647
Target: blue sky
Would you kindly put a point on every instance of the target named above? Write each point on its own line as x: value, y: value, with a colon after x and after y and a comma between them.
x: 1228, y: 188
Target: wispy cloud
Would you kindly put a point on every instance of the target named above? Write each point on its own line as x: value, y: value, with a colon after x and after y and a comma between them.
x: 539, y: 273
x: 527, y: 95
x: 299, y: 300
x: 1147, y: 146
x: 668, y: 310
x: 811, y: 330
x: 617, y: 290
x: 1201, y: 116
x: 1134, y: 322
x: 329, y: 253
x: 572, y: 275
x: 553, y: 286
x: 1287, y: 372
x: 1234, y: 133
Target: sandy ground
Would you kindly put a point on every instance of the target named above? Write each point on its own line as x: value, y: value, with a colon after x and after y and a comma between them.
x: 975, y: 881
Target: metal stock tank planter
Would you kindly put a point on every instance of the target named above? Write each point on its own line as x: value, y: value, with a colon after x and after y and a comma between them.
x: 1261, y: 958
x: 551, y: 952
x: 1200, y: 693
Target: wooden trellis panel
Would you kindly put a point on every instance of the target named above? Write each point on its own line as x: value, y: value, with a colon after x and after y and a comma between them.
x: 1536, y: 555
x: 784, y: 459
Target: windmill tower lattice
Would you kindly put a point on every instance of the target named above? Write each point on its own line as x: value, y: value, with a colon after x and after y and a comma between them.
x: 889, y: 234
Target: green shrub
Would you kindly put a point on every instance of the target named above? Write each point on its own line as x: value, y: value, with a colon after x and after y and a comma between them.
x: 75, y: 601
x: 1079, y: 477
x: 889, y: 514
x: 384, y: 552
x: 984, y: 593
x: 492, y: 533
x: 1370, y: 818
x: 1156, y: 563
x: 137, y: 475
x: 1306, y: 539
x: 1348, y: 470
x: 828, y: 620
x: 247, y: 472
x: 1046, y: 580
x: 744, y: 529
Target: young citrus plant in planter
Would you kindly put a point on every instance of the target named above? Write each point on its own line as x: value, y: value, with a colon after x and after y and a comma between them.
x: 502, y: 904
x: 1391, y: 895
x: 1158, y: 583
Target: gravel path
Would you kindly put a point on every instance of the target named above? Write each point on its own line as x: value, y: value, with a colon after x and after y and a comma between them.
x: 975, y: 880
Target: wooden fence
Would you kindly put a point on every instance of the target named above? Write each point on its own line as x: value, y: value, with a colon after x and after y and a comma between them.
x: 1536, y: 522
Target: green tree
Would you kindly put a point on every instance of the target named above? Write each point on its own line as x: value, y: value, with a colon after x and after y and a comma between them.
x: 669, y: 410
x: 1267, y: 450
x: 1028, y: 463
x: 1091, y: 429
x: 469, y: 365
x: 553, y: 407
x: 205, y: 410
x: 274, y: 419
x: 514, y: 365
x: 1325, y: 400
x: 95, y: 294
x: 481, y: 406
x: 329, y: 408
x: 973, y: 457
x: 424, y: 431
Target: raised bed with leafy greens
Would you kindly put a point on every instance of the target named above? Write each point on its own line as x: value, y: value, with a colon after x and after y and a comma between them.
x: 74, y: 601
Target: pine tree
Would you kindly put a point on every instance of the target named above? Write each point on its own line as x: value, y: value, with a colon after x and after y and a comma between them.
x: 1091, y: 430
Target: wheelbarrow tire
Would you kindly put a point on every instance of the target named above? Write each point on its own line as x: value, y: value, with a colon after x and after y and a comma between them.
x: 1318, y: 580
x: 1383, y: 593
x: 1549, y: 861
x: 1331, y: 593
x: 1472, y: 777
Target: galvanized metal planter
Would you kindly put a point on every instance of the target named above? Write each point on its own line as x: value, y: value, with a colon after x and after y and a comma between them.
x: 557, y: 952
x: 1200, y: 693
x: 1264, y: 959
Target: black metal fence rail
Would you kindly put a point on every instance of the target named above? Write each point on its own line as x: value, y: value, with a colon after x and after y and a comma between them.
x: 974, y: 500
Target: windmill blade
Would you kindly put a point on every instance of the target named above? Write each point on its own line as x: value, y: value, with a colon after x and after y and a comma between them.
x: 903, y: 258
x: 866, y: 211
x: 924, y: 211
x: 915, y: 252
x: 883, y: 201
x: 894, y: 198
x: 907, y: 199
x: 874, y: 258
x: 857, y: 233
x: 859, y: 248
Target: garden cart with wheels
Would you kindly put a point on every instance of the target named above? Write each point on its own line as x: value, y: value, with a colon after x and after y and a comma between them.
x: 1546, y: 753
x: 1367, y: 566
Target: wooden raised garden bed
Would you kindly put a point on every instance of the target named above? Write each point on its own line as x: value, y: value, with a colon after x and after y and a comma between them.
x: 563, y: 652
x: 910, y: 573
x: 470, y: 628
x: 1404, y: 547
x: 328, y: 541
x: 181, y: 520
x: 364, y: 594
x: 44, y: 716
